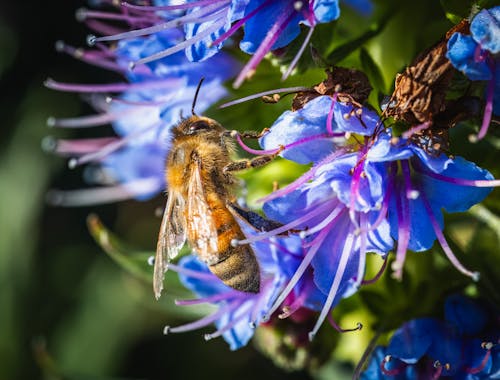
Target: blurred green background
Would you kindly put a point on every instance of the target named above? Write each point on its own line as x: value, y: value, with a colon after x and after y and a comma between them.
x: 67, y: 311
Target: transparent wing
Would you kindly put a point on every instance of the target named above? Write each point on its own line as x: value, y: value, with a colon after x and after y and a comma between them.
x: 200, y: 224
x: 171, y: 238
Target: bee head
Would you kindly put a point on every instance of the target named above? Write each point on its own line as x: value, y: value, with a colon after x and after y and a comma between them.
x: 199, y: 125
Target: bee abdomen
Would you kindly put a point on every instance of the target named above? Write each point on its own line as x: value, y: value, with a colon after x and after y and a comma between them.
x: 239, y: 270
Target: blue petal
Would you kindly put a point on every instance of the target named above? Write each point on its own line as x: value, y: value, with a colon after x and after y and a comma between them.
x: 371, y: 186
x: 294, y: 126
x: 379, y: 240
x: 326, y: 10
x: 327, y: 259
x: 373, y: 371
x: 241, y: 333
x: 383, y: 150
x: 436, y: 164
x: 446, y: 348
x: 485, y: 29
x: 422, y: 235
x: 257, y: 27
x: 348, y: 121
x: 453, y: 197
x: 461, y: 52
x: 203, y: 48
x: 465, y: 314
x: 200, y: 287
x: 413, y: 340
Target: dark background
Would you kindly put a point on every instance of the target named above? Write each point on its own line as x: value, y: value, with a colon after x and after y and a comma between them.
x: 67, y: 310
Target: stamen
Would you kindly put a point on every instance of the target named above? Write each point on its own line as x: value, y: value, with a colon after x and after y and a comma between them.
x: 362, y: 250
x: 392, y: 372
x: 439, y: 368
x: 334, y: 324
x: 265, y: 46
x: 112, y: 147
x: 75, y: 147
x: 219, y: 23
x: 488, y: 109
x: 172, y: 83
x: 90, y: 121
x: 188, y: 18
x: 298, y: 273
x: 148, y: 8
x: 444, y: 244
x: 283, y: 228
x: 264, y: 93
x: 344, y: 258
x: 238, y: 24
x: 102, y: 195
x: 457, y: 181
x: 191, y: 273
x: 325, y: 222
x: 416, y: 129
x: 379, y: 273
x: 231, y: 324
x: 212, y: 299
x: 298, y: 55
x: 205, y: 321
x: 294, y: 306
x: 254, y: 151
x: 474, y: 370
x: 404, y: 223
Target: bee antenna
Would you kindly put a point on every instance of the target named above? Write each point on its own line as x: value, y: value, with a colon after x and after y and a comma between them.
x: 196, y: 95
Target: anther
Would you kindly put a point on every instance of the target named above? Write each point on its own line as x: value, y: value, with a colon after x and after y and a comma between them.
x: 72, y: 163
x: 81, y: 14
x: 298, y: 5
x: 473, y: 139
x: 234, y: 243
x: 302, y: 234
x: 337, y: 88
x: 166, y: 330
x: 413, y: 194
x: 207, y: 337
x: 59, y: 45
x: 108, y: 99
x: 476, y: 276
x: 49, y: 144
x: 233, y: 133
x: 311, y: 336
x: 151, y: 260
x: 487, y: 345
x: 91, y: 40
x: 394, y: 140
x: 252, y: 325
x: 346, y: 116
x: 131, y: 66
x: 359, y: 111
x: 51, y: 121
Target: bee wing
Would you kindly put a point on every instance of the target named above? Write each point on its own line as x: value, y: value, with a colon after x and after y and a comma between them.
x: 200, y: 224
x: 171, y: 238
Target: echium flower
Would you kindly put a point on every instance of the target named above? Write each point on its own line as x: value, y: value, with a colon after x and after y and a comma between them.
x: 238, y: 314
x: 141, y: 112
x: 268, y: 25
x: 478, y: 56
x: 338, y: 228
x: 462, y: 346
x: 364, y: 189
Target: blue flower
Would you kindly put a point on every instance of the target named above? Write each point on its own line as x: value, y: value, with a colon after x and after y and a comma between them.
x: 423, y: 186
x: 477, y: 56
x: 238, y: 313
x: 268, y: 25
x: 339, y: 203
x: 461, y: 347
x: 155, y: 98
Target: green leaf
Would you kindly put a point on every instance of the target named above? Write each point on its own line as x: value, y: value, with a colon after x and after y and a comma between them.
x: 372, y: 70
x: 341, y: 52
x: 134, y: 262
x: 456, y: 10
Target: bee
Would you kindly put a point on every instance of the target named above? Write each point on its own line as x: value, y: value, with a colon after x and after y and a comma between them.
x: 200, y: 192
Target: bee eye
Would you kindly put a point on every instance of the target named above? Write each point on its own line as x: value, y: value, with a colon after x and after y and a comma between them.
x: 198, y: 125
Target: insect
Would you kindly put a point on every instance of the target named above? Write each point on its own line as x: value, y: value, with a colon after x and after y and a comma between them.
x: 200, y: 190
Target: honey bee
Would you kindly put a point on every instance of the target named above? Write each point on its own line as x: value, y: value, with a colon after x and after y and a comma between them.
x: 200, y: 191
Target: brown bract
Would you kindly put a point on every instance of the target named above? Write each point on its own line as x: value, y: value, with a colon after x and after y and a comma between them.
x: 350, y: 85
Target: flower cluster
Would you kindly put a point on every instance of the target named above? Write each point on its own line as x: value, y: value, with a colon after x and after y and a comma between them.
x: 463, y: 346
x: 368, y: 188
x: 478, y: 56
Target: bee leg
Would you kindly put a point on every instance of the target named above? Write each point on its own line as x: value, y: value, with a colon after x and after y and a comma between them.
x: 246, y: 134
x: 255, y: 162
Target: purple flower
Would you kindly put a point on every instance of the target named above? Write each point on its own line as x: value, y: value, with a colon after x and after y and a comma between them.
x: 421, y: 187
x: 141, y: 113
x: 238, y: 313
x: 337, y: 203
x: 477, y: 56
x: 464, y: 346
x: 268, y: 25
